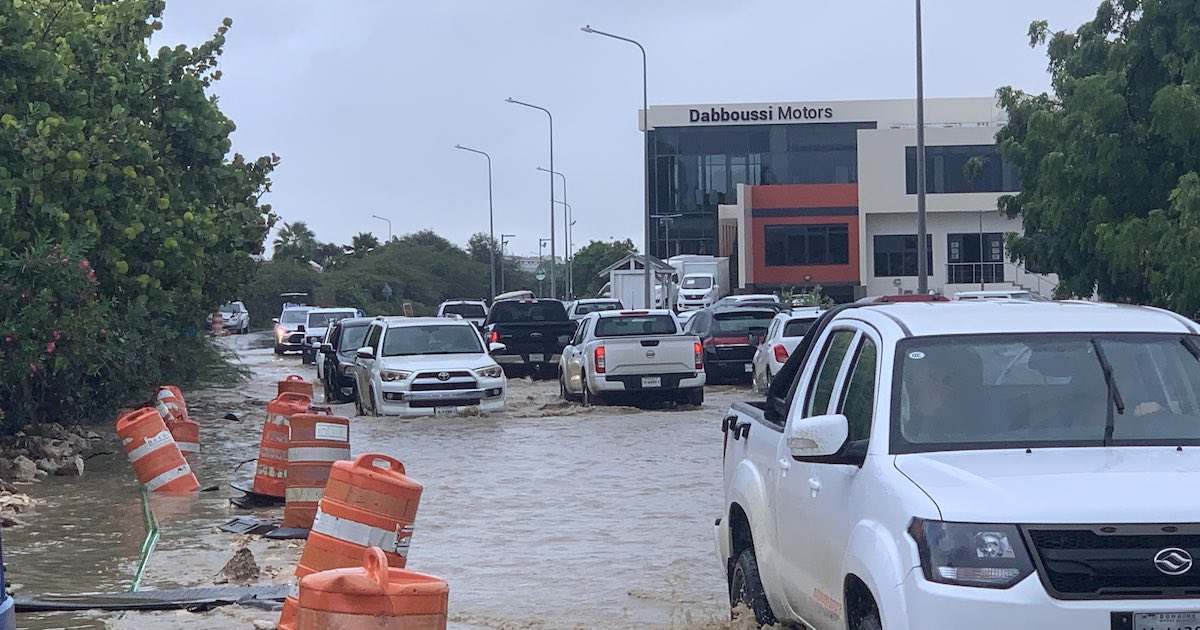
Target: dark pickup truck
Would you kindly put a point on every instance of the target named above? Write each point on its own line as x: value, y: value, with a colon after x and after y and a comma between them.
x: 534, y: 333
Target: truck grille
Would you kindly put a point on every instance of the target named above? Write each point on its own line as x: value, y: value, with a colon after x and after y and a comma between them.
x: 1114, y: 562
x: 439, y: 386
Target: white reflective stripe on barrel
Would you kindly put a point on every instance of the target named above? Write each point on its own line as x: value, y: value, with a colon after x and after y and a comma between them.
x: 392, y: 541
x: 304, y: 495
x: 318, y: 453
x: 168, y: 477
x: 164, y: 411
x: 188, y: 447
x: 164, y: 393
x: 264, y: 470
x: 152, y: 443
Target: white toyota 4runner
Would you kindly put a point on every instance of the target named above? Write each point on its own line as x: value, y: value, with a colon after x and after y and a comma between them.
x: 989, y: 465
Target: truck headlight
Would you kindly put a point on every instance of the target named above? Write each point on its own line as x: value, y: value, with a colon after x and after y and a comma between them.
x: 971, y: 554
x: 388, y: 376
x: 490, y: 372
x: 346, y: 370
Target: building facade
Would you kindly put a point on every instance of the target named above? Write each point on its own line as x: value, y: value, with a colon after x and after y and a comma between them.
x: 799, y: 194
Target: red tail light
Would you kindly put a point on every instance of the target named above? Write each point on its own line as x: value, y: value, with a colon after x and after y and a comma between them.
x: 599, y: 359
x: 699, y: 355
x: 781, y: 353
x: 495, y: 337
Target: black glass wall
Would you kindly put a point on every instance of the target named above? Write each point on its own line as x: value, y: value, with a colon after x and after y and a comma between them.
x: 695, y: 169
x: 946, y: 170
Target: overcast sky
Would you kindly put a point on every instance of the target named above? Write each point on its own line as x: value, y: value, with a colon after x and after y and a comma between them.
x: 364, y: 101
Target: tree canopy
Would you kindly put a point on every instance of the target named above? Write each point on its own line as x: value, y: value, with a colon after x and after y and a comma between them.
x: 1110, y: 195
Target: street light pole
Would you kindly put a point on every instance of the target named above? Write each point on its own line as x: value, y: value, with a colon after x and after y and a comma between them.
x: 389, y: 222
x: 541, y: 261
x: 491, y: 216
x: 503, y: 242
x: 567, y: 223
x: 922, y: 230
x: 553, y: 290
x: 645, y: 153
x: 666, y: 220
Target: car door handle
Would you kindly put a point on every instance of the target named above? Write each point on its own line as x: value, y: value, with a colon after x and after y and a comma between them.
x: 814, y: 484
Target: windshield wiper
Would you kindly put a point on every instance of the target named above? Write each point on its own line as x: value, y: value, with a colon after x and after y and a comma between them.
x: 1114, y: 394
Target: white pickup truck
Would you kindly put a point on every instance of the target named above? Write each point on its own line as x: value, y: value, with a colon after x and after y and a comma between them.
x: 639, y: 353
x: 987, y: 465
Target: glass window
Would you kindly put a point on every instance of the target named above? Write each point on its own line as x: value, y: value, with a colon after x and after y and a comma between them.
x: 352, y: 338
x: 946, y: 170
x: 293, y: 316
x: 697, y: 282
x: 466, y: 310
x: 858, y: 401
x: 896, y: 255
x: 831, y: 362
x: 403, y: 341
x: 796, y: 245
x: 534, y: 311
x: 975, y: 258
x: 595, y: 307
x: 741, y: 323
x: 373, y: 337
x: 798, y: 327
x: 634, y: 325
x: 323, y: 320
x: 1020, y: 391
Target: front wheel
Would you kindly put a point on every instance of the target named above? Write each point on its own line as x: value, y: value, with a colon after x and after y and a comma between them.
x: 745, y: 587
x: 306, y: 358
x: 278, y: 350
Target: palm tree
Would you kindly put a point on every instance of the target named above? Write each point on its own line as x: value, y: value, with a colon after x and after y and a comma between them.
x: 363, y: 242
x: 296, y: 241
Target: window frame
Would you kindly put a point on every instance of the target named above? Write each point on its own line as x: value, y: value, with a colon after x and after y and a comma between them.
x: 811, y: 391
x: 805, y: 232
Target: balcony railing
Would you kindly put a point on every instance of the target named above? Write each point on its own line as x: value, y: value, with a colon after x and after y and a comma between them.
x: 974, y: 273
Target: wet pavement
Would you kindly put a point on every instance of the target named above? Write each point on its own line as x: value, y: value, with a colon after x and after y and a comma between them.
x: 550, y: 515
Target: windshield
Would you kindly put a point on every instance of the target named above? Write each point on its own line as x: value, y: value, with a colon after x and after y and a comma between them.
x: 539, y: 311
x: 431, y: 339
x: 697, y: 283
x: 292, y: 317
x: 631, y: 325
x: 1002, y: 391
x: 352, y: 338
x: 323, y: 320
x: 466, y: 310
x: 230, y: 308
x: 798, y: 327
x: 595, y: 307
x: 741, y: 323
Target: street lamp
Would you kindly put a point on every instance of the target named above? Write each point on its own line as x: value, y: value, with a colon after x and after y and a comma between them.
x: 491, y: 215
x: 503, y: 243
x: 666, y: 220
x: 551, y: 117
x: 389, y: 222
x: 567, y: 223
x: 541, y: 247
x: 922, y: 267
x: 645, y: 152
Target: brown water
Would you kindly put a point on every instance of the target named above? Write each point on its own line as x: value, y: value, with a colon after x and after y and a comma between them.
x: 546, y: 516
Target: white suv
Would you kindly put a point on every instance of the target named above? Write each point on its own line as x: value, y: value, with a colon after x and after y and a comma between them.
x: 983, y: 465
x: 427, y: 366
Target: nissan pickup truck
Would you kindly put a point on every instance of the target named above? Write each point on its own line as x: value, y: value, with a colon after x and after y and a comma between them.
x: 991, y: 464
x: 637, y: 354
x: 534, y: 333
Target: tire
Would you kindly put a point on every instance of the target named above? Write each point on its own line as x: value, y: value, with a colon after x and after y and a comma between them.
x: 358, y: 406
x: 745, y: 587
x: 588, y: 398
x: 278, y: 350
x: 374, y: 411
x: 245, y: 329
x: 325, y: 391
x: 863, y: 612
x: 694, y: 396
x: 562, y: 390
x: 306, y: 358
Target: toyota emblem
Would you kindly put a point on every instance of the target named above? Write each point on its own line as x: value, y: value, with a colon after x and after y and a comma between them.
x: 1173, y: 561
x: 443, y: 376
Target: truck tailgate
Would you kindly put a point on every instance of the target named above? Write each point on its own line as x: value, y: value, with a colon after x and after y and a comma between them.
x: 658, y: 354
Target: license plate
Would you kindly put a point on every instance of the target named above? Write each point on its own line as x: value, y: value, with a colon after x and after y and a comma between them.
x: 444, y: 411
x: 537, y: 358
x: 651, y: 381
x: 749, y: 367
x: 1166, y: 621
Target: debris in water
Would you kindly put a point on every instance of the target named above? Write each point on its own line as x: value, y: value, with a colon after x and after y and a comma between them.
x: 240, y: 568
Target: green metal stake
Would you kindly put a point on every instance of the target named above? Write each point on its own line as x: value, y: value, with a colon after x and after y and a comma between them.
x: 150, y: 541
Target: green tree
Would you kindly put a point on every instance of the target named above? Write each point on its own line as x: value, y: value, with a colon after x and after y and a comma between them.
x: 363, y: 242
x: 593, y: 258
x: 1110, y: 195
x: 295, y: 241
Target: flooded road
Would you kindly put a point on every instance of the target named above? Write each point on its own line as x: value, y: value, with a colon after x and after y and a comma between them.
x: 546, y: 516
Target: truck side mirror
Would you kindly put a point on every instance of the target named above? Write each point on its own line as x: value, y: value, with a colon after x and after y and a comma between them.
x: 818, y: 436
x: 327, y: 348
x: 275, y: 320
x: 496, y: 347
x: 365, y: 353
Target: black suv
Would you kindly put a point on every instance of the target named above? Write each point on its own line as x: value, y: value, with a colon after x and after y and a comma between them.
x: 730, y: 335
x: 344, y: 339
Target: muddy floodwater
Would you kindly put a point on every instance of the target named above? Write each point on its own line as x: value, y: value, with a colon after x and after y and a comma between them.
x: 550, y: 515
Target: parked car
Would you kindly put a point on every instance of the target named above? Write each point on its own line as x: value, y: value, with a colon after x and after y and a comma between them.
x: 579, y: 309
x: 289, y: 329
x: 335, y: 362
x: 999, y: 294
x: 426, y: 366
x: 534, y: 333
x: 474, y: 311
x: 988, y: 464
x: 730, y: 336
x: 233, y: 317
x: 316, y: 324
x: 783, y: 335
x: 732, y: 300
x: 640, y: 353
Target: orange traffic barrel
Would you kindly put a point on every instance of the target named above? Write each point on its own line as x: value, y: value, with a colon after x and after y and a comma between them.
x: 372, y: 596
x: 187, y: 435
x: 159, y: 465
x: 287, y: 618
x: 317, y: 441
x: 368, y: 502
x: 295, y: 384
x: 169, y: 402
x: 270, y: 477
